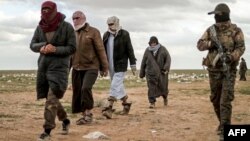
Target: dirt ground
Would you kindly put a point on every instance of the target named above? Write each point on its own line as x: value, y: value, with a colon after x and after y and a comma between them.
x: 189, y: 116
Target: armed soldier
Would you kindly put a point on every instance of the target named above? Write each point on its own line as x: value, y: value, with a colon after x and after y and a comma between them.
x: 243, y: 70
x: 225, y: 44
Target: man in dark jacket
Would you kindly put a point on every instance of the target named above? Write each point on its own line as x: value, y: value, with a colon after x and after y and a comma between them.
x: 89, y: 57
x: 222, y: 66
x: 243, y: 70
x: 54, y: 39
x: 119, y: 50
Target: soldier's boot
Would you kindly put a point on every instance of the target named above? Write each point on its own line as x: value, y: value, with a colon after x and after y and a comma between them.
x: 219, y: 128
x: 126, y: 108
x: 126, y: 105
x: 108, y: 111
x: 221, y: 137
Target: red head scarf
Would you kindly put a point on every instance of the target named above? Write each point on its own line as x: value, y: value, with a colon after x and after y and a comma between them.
x: 50, y: 18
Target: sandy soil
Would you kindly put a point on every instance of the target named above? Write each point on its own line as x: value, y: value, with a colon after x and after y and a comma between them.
x: 189, y: 116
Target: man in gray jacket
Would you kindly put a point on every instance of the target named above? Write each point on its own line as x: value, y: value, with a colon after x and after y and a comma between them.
x: 55, y: 41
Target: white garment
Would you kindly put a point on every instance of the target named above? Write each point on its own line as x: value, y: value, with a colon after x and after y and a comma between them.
x: 110, y: 50
x: 117, y: 88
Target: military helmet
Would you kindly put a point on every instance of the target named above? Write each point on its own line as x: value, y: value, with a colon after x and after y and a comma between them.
x: 222, y: 7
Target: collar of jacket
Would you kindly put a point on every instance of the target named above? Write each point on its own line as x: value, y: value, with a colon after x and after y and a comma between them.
x: 85, y: 27
x: 118, y: 33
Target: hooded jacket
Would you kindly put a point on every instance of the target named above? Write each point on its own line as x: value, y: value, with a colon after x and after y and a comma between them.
x: 53, y: 68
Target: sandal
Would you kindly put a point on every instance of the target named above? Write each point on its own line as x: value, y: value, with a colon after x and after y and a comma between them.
x: 87, y: 119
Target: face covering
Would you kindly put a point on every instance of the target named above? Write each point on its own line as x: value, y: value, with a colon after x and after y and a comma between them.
x: 113, y: 23
x: 50, y: 18
x: 224, y: 17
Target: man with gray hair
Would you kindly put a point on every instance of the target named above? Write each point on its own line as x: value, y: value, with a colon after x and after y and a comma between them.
x: 89, y: 57
x: 119, y: 50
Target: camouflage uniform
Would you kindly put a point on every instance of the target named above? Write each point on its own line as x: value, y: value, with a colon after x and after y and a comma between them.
x: 222, y: 83
x: 243, y: 70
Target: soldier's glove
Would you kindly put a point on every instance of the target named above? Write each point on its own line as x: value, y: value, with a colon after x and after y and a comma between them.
x: 133, y: 69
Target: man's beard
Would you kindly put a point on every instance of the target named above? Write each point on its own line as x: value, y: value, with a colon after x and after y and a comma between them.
x: 77, y: 27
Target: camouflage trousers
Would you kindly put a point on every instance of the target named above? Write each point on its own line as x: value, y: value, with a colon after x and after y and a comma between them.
x: 53, y: 108
x: 222, y: 95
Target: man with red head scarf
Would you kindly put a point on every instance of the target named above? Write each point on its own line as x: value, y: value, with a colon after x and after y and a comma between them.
x: 54, y: 40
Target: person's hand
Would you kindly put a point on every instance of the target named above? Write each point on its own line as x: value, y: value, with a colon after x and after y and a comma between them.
x: 50, y: 49
x: 104, y: 73
x: 164, y: 72
x: 42, y: 50
x: 133, y: 69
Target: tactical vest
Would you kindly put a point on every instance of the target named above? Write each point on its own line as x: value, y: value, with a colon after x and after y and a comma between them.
x: 226, y: 35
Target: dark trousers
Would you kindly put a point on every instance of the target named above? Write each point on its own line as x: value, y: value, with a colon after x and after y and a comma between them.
x: 53, y: 108
x: 82, y: 84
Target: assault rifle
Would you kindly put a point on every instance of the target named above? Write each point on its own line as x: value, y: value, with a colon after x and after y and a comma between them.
x: 221, y: 55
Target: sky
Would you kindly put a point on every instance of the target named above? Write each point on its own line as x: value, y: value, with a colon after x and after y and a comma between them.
x: 178, y: 25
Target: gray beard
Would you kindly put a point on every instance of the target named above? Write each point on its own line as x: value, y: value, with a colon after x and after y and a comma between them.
x: 79, y: 26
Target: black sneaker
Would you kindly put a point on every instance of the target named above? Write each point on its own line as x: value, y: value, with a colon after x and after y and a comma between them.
x: 65, y: 128
x: 44, y: 137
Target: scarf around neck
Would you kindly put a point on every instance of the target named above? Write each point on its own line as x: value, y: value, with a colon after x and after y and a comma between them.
x: 49, y: 26
x: 154, y: 49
